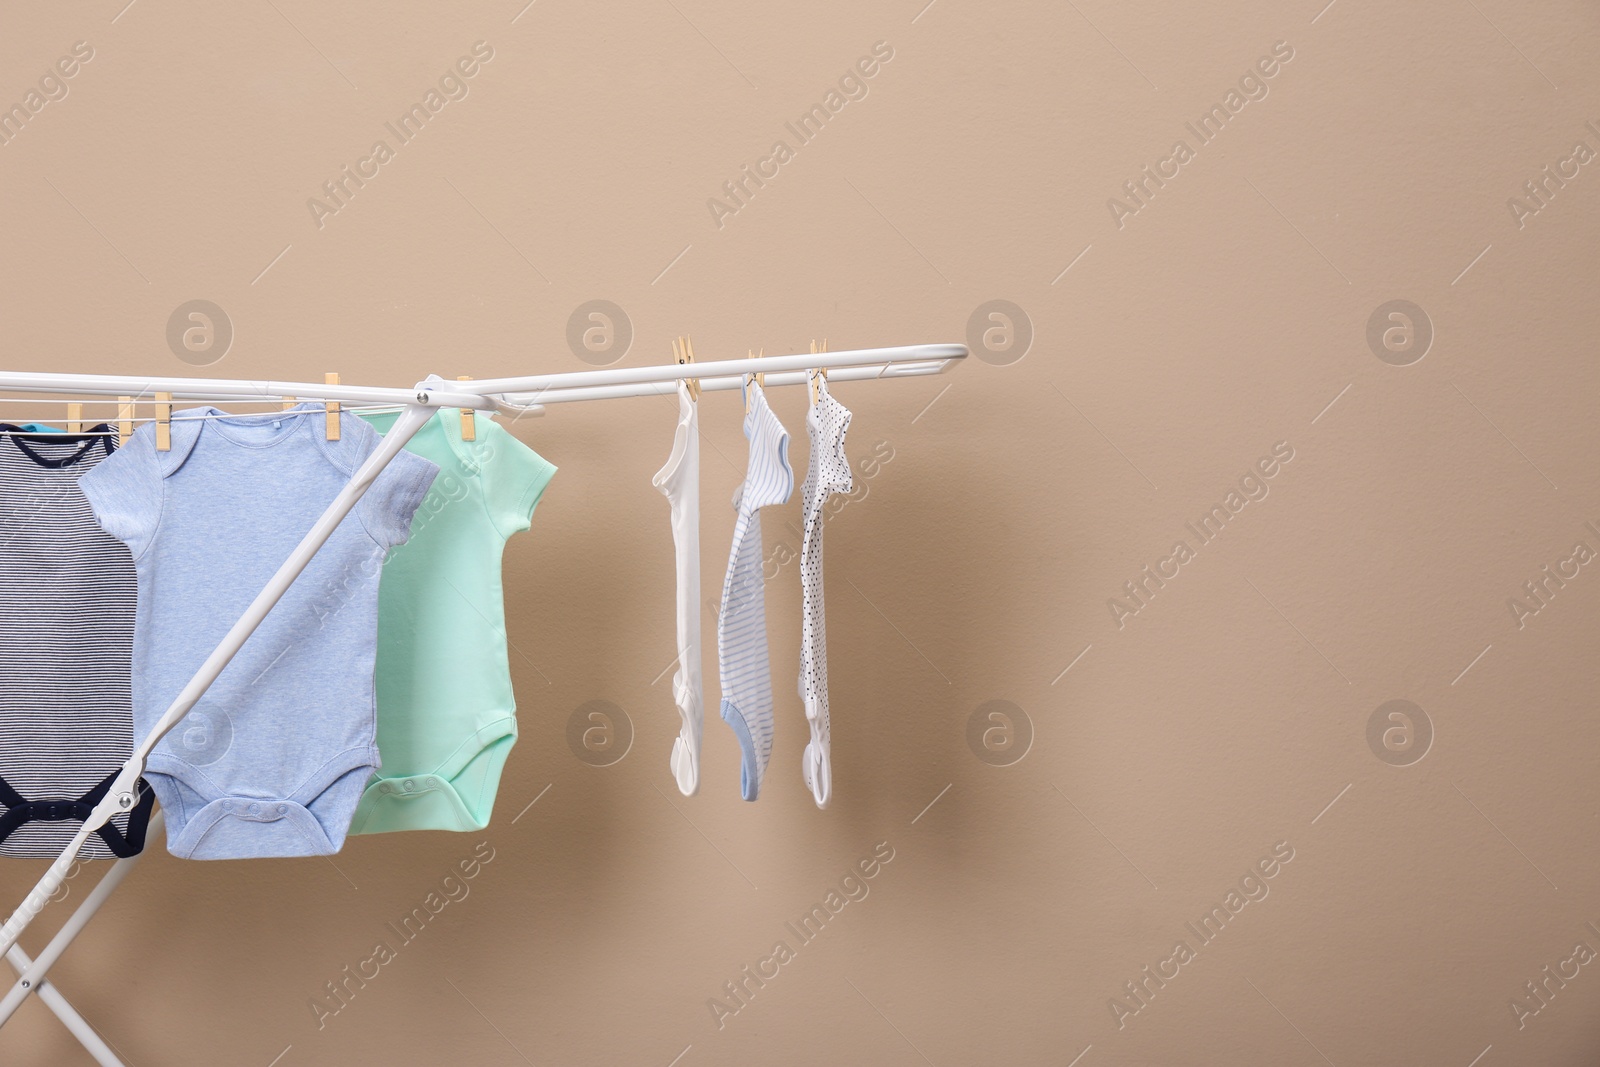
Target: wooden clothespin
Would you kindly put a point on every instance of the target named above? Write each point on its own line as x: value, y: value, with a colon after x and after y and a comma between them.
x: 124, y: 419
x: 683, y: 352
x: 74, y: 418
x: 818, y: 374
x: 332, y: 378
x: 469, y: 425
x: 163, y: 422
x: 289, y: 402
x: 753, y: 381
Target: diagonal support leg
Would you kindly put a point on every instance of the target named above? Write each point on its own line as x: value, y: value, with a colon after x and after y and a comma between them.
x: 31, y: 972
x: 77, y: 1024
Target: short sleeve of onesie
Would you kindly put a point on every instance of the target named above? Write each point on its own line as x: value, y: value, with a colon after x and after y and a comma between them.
x: 389, y: 504
x: 514, y: 478
x: 393, y: 499
x: 126, y: 495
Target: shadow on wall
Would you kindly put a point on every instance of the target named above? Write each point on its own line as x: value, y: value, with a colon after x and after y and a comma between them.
x: 902, y: 652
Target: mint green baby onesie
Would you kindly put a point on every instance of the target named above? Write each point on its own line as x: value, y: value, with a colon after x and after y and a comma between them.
x: 446, y: 713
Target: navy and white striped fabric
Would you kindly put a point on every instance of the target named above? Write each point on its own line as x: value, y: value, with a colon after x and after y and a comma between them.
x: 827, y: 473
x: 746, y: 672
x: 67, y: 597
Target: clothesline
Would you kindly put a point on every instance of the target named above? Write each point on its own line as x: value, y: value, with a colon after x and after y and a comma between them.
x: 289, y: 413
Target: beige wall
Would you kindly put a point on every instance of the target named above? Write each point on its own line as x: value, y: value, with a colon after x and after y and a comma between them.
x: 1172, y: 750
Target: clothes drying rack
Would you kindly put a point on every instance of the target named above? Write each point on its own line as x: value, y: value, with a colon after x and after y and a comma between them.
x: 516, y: 396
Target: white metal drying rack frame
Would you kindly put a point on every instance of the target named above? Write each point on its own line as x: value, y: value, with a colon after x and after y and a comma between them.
x: 512, y: 396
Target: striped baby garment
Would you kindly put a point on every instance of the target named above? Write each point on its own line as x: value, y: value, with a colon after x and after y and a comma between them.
x: 67, y: 596
x: 746, y: 674
x: 827, y: 473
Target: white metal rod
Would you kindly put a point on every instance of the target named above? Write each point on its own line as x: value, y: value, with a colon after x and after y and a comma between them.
x: 63, y: 1010
x: 478, y: 394
x: 31, y: 974
x: 799, y: 361
x: 75, y: 1023
x: 510, y: 403
x: 79, y: 1027
x: 120, y: 797
x: 231, y: 389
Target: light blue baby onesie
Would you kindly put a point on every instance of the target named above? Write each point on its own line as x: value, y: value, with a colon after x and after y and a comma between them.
x: 274, y: 757
x: 746, y: 672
